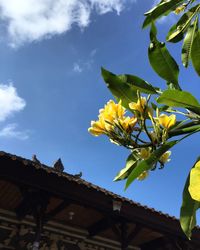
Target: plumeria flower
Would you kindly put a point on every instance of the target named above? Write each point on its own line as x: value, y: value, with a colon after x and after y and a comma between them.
x: 143, y: 176
x: 110, y: 116
x: 145, y: 153
x: 97, y: 127
x: 107, y: 116
x: 165, y: 157
x: 167, y: 121
x: 179, y: 9
x: 141, y: 107
x: 112, y: 111
x: 128, y: 123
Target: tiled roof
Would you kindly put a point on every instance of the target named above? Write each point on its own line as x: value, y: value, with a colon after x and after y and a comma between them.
x: 79, y: 181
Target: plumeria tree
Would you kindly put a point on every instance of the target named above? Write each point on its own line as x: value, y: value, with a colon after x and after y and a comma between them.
x: 145, y: 119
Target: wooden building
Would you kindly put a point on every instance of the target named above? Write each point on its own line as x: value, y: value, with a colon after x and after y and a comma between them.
x: 44, y: 208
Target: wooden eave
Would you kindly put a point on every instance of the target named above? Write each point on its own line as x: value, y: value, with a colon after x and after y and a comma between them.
x: 81, y: 194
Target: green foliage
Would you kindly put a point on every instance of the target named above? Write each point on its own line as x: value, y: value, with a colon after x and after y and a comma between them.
x: 161, y: 60
x: 185, y: 25
x: 188, y: 42
x: 139, y: 84
x: 195, y: 53
x: 149, y: 145
x: 119, y: 88
x: 177, y: 31
x: 188, y: 210
x: 149, y: 163
x: 125, y: 87
x: 162, y: 9
x: 131, y: 163
x: 177, y: 98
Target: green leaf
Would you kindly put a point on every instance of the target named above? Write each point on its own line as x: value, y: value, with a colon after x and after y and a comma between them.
x: 162, y: 62
x: 195, y: 52
x: 131, y: 162
x: 125, y: 87
x: 188, y: 42
x: 188, y: 210
x: 137, y: 83
x: 170, y: 85
x: 147, y: 164
x: 163, y: 108
x: 162, y: 9
x: 119, y: 88
x: 182, y: 99
x: 177, y: 31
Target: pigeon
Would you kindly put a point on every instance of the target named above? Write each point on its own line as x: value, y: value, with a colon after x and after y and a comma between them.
x: 34, y: 159
x: 78, y: 175
x: 58, y: 166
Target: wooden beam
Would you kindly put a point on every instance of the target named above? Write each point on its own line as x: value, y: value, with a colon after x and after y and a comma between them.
x: 180, y: 244
x: 169, y: 243
x: 117, y: 232
x: 123, y: 228
x: 32, y: 198
x: 39, y: 215
x: 122, y: 234
x: 133, y: 234
x: 34, y: 202
x: 155, y: 244
x: 101, y: 225
x: 56, y: 210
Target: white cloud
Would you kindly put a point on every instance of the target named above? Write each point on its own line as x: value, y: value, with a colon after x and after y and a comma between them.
x: 10, y: 131
x: 10, y: 102
x: 32, y: 20
x: 82, y: 65
x: 77, y: 68
x: 93, y: 52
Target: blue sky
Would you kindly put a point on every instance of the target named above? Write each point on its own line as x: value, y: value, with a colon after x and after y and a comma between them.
x: 51, y: 88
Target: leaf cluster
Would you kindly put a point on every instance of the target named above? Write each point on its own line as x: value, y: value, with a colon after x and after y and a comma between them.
x: 185, y: 30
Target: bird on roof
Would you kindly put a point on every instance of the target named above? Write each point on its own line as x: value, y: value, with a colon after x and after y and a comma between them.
x: 78, y: 175
x: 58, y: 166
x: 35, y: 159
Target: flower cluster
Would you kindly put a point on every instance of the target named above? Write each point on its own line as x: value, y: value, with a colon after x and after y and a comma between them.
x: 113, y: 122
x: 142, y: 132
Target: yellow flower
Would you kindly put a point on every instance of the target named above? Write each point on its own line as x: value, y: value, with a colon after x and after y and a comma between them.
x: 179, y: 9
x: 139, y: 105
x: 128, y: 123
x: 145, y: 153
x: 112, y: 111
x: 165, y: 157
x: 143, y: 176
x: 107, y: 117
x: 97, y: 128
x: 167, y: 121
